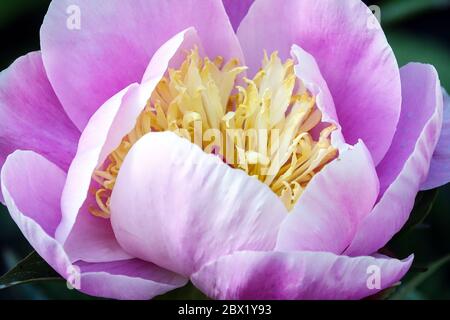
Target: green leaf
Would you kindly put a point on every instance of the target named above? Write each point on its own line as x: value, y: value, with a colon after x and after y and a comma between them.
x: 32, y: 268
x: 409, y: 288
x: 188, y: 292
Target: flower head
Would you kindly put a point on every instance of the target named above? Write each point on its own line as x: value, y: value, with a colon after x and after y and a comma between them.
x: 258, y: 157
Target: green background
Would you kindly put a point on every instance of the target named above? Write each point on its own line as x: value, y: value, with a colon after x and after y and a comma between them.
x: 418, y: 30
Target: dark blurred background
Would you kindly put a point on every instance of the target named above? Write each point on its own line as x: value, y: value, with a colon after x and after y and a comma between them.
x: 418, y: 30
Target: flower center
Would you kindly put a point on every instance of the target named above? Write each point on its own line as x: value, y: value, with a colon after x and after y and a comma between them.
x: 269, y: 127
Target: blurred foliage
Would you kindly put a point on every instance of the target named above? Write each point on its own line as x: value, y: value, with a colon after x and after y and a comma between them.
x: 409, y: 289
x: 398, y: 10
x: 423, y: 206
x: 417, y: 31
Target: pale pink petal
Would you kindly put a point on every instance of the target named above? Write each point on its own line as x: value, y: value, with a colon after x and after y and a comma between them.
x: 334, y: 203
x: 88, y: 157
x: 32, y: 189
x: 309, y: 73
x: 115, y: 41
x: 103, y: 134
x: 31, y: 116
x: 352, y: 52
x: 175, y: 49
x: 439, y: 173
x: 422, y: 104
x: 178, y: 207
x: 129, y: 280
x: 297, y: 275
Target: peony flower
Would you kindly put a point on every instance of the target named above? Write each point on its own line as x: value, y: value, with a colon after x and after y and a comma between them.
x: 128, y: 158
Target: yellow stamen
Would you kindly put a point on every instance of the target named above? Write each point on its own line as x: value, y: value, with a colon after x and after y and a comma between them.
x: 263, y: 128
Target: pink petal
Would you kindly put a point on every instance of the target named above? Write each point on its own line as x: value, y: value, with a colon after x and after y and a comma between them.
x: 32, y: 189
x: 115, y: 42
x: 309, y: 73
x: 334, y: 203
x: 95, y: 141
x: 419, y: 104
x: 296, y: 275
x: 439, y: 173
x: 92, y: 239
x: 103, y: 134
x: 353, y: 55
x: 130, y: 280
x: 31, y: 115
x: 422, y: 104
x: 174, y: 49
x: 236, y: 10
x: 178, y: 207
